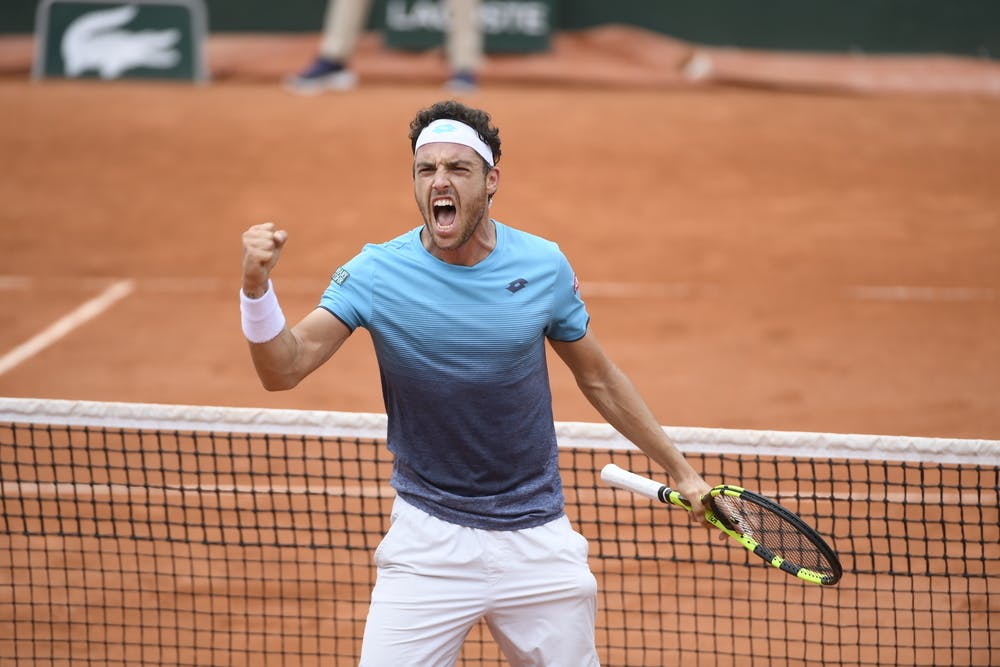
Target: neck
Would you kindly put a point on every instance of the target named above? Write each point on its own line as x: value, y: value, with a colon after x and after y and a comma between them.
x: 470, y: 252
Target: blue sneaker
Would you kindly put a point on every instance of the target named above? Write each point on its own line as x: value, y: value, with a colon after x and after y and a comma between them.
x: 323, y: 74
x: 462, y: 81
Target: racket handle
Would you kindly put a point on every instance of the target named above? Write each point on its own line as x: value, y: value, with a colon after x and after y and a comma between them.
x: 623, y: 479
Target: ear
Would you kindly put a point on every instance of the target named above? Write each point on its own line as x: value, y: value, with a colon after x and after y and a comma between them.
x: 492, y: 181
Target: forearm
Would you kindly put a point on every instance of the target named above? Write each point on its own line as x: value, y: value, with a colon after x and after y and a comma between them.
x: 282, y: 355
x: 619, y: 403
x: 276, y: 361
x: 273, y: 347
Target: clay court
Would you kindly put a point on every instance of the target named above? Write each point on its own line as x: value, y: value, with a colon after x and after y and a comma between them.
x: 754, y: 256
x: 774, y: 247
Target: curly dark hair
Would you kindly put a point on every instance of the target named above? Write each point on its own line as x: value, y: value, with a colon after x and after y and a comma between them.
x: 477, y: 119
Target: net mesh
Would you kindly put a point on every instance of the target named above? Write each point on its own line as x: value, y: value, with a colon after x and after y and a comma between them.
x: 176, y: 535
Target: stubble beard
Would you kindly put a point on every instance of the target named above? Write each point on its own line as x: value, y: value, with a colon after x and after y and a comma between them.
x: 466, y: 234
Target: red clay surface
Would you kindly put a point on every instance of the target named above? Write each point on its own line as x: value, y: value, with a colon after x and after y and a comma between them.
x: 758, y: 255
x: 753, y: 256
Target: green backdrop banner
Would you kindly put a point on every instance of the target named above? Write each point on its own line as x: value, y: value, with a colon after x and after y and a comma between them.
x: 509, y: 26
x: 967, y: 27
x: 147, y: 39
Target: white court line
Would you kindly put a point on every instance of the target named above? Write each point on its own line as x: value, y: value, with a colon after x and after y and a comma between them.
x: 94, y: 491
x: 984, y: 497
x: 15, y: 282
x: 623, y: 290
x: 64, y: 325
x: 596, y: 289
x: 84, y: 491
x: 909, y: 293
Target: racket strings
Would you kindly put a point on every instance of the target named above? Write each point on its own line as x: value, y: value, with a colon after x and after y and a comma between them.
x: 773, y: 531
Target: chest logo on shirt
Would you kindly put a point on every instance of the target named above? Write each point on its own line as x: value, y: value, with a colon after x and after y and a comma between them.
x: 516, y: 285
x: 341, y: 276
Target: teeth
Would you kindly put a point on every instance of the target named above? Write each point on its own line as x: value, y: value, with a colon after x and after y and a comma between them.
x: 444, y: 202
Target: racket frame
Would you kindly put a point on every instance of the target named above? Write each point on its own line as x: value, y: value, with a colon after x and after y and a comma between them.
x: 643, y: 486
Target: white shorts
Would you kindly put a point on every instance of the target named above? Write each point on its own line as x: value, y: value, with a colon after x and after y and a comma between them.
x: 436, y: 580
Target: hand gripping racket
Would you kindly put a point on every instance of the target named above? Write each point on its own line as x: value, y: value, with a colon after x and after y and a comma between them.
x: 761, y: 525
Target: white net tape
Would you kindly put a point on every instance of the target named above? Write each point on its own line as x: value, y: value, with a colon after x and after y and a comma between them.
x: 570, y: 434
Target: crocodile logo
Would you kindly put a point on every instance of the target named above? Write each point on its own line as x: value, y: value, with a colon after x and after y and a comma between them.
x: 95, y: 41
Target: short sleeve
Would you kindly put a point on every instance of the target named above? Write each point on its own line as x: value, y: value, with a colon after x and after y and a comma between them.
x: 569, y: 313
x: 349, y: 295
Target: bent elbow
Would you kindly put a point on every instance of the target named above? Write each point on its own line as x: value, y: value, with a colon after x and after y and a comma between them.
x: 274, y: 386
x: 278, y: 386
x: 280, y: 382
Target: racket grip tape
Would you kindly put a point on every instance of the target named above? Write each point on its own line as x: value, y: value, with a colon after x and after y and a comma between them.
x: 643, y: 486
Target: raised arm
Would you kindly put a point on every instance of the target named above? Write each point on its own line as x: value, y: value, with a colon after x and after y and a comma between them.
x: 614, y: 396
x: 281, y: 355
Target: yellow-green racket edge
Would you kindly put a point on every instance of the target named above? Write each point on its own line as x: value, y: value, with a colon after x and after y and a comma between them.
x: 748, y: 543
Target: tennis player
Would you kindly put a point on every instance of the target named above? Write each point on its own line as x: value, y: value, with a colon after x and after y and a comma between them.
x: 459, y: 309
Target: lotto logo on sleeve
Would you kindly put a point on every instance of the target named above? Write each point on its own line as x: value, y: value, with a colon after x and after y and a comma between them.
x: 576, y: 284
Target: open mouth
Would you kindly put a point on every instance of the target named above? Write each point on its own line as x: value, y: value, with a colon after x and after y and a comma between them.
x: 444, y: 212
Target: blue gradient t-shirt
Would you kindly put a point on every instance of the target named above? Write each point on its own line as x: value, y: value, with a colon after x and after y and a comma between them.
x: 461, y: 353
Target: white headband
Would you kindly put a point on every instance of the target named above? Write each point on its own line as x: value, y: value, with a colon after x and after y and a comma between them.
x: 448, y: 131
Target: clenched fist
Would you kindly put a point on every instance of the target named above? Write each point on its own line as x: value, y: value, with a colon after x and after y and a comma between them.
x: 262, y: 246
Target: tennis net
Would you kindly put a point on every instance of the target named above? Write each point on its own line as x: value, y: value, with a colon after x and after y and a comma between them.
x: 181, y: 535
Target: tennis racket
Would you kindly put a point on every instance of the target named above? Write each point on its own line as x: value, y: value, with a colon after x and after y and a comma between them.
x: 761, y: 525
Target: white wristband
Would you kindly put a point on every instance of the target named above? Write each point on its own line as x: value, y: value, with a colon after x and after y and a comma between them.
x: 262, y: 318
